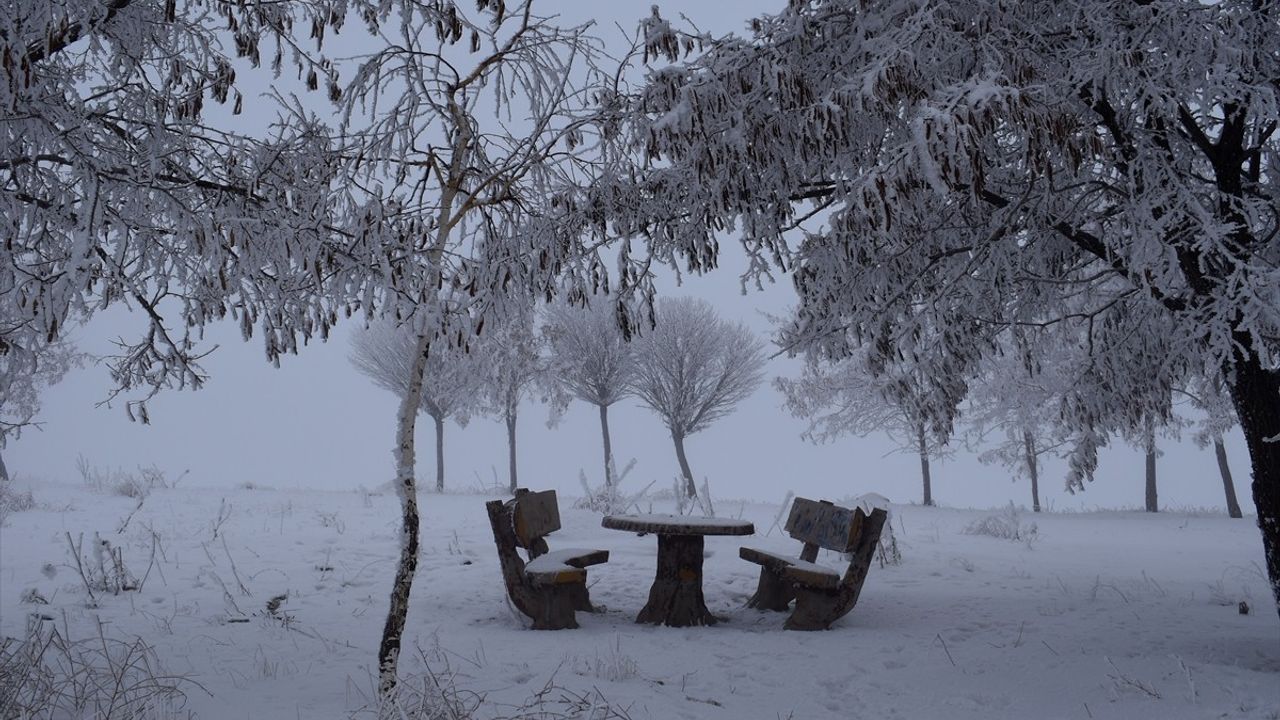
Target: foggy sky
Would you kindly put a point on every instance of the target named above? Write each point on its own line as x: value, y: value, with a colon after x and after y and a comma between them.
x: 316, y: 422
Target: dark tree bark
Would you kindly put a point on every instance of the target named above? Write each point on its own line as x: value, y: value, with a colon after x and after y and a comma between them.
x: 406, y: 487
x: 1149, y: 435
x: 923, y: 446
x: 439, y: 454
x: 676, y: 596
x: 1255, y: 392
x: 690, y: 488
x: 608, y: 448
x: 511, y: 450
x: 1228, y: 485
x: 1033, y: 469
x: 4, y: 472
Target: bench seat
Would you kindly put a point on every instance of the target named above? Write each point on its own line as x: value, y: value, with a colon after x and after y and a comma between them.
x: 813, y: 575
x: 766, y: 558
x: 563, y: 566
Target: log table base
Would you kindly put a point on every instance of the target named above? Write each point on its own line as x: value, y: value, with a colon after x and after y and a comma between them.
x: 676, y: 596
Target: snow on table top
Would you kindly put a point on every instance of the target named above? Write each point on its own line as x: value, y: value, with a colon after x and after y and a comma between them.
x: 678, y: 524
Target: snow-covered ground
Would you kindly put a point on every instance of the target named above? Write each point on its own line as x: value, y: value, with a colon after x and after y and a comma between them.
x: 1101, y: 615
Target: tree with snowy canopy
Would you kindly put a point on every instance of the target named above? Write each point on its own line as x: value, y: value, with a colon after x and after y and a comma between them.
x: 510, y: 365
x: 589, y: 359
x: 693, y: 368
x: 1087, y: 160
x: 908, y: 390
x: 1208, y: 395
x: 384, y: 353
x: 429, y: 203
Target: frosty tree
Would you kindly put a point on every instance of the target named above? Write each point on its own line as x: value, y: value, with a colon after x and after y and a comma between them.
x: 916, y: 403
x: 385, y: 354
x: 510, y: 366
x: 693, y: 368
x: 1015, y: 403
x: 590, y: 360
x: 447, y: 188
x: 1090, y: 163
x: 1208, y: 395
x: 24, y: 373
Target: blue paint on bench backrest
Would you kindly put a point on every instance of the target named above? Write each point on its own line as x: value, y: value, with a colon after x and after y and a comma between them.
x: 825, y: 525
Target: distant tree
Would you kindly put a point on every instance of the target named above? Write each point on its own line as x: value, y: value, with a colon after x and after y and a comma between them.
x: 384, y: 352
x: 1014, y: 407
x: 1208, y: 394
x: 590, y: 360
x: 692, y: 368
x: 511, y: 366
x: 868, y: 393
x: 25, y: 372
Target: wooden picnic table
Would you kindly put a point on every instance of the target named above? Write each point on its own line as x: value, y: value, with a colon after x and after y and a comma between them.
x: 676, y: 599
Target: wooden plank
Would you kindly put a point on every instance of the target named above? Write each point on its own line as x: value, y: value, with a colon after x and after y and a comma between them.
x: 764, y: 557
x: 821, y: 523
x: 536, y: 514
x: 678, y: 525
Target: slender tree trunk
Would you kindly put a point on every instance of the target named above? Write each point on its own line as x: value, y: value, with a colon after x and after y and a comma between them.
x: 1228, y: 485
x: 1149, y: 437
x: 1255, y: 392
x: 389, y: 648
x: 689, y: 488
x: 1029, y: 448
x: 924, y: 465
x: 511, y: 449
x: 439, y: 454
x: 608, y: 449
x: 4, y: 472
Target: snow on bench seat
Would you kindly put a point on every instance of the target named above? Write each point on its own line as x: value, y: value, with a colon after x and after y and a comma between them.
x: 813, y: 574
x: 766, y: 558
x: 564, y: 566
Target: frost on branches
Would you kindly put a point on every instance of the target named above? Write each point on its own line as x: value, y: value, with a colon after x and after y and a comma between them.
x: 449, y: 183
x: 1072, y: 165
x: 589, y: 360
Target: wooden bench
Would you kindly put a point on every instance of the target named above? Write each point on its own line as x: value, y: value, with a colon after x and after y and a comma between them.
x: 822, y: 594
x: 551, y: 585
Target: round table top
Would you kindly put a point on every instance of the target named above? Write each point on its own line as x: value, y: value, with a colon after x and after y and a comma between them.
x: 678, y: 525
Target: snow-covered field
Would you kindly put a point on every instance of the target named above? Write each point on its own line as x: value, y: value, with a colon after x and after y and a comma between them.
x: 1100, y: 615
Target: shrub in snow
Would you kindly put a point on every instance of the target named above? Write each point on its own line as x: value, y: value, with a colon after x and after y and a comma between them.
x: 47, y: 674
x: 609, y: 499
x: 13, y: 500
x: 1006, y: 525
x: 137, y: 485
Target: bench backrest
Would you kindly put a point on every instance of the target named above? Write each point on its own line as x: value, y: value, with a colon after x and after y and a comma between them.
x: 819, y: 523
x: 534, y: 515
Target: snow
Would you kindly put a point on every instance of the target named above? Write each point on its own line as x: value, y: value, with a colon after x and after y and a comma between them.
x: 1105, y: 615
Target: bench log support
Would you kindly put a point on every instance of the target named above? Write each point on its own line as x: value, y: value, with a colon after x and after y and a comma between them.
x: 549, y: 599
x: 817, y: 609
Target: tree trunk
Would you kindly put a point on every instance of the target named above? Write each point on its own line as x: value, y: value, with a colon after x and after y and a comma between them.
x: 1228, y: 485
x: 1149, y: 440
x: 4, y: 472
x: 1255, y: 392
x: 608, y: 449
x: 389, y: 649
x: 1029, y: 447
x: 924, y: 465
x: 439, y: 454
x: 689, y: 488
x: 511, y: 450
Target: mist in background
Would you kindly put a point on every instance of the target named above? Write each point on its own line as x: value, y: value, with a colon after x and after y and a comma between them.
x: 317, y: 423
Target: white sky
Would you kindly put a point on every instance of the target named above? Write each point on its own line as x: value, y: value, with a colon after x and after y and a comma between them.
x: 317, y: 423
